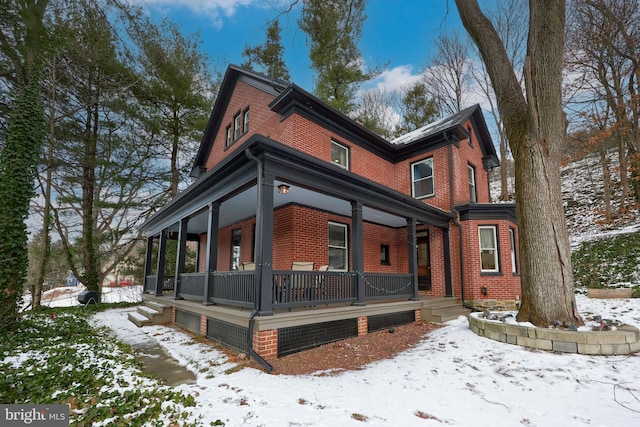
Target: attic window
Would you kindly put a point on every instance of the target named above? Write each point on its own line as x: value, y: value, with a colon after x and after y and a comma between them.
x: 237, y: 126
x: 245, y: 122
x: 469, y: 138
x: 229, y: 135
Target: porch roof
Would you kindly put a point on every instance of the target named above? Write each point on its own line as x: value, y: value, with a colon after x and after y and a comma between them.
x: 317, y: 184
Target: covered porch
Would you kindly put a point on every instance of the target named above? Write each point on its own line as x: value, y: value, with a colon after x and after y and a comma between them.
x: 245, y: 187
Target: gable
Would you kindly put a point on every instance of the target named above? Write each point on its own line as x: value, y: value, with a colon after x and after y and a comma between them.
x: 258, y: 90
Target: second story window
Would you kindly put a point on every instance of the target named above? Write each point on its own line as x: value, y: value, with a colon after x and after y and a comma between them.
x: 237, y: 126
x: 339, y: 155
x: 473, y: 192
x: 422, y: 179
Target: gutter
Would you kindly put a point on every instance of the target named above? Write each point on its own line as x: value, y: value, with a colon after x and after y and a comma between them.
x: 455, y: 219
x: 258, y: 271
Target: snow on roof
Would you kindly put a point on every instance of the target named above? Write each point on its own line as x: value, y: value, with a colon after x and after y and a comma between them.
x: 435, y: 127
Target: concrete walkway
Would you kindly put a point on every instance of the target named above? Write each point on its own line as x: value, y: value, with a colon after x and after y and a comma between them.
x: 155, y: 360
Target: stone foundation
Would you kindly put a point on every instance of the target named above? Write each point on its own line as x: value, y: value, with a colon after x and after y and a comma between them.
x: 624, y: 340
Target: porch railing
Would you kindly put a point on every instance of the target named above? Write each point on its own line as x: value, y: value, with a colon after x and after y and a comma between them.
x: 289, y: 288
x: 380, y: 286
x: 192, y: 285
x: 309, y: 288
x: 150, y: 284
x: 235, y: 288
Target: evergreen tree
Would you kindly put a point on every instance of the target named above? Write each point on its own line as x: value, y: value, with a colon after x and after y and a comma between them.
x: 268, y: 58
x: 174, y: 89
x: 333, y: 30
x: 419, y: 109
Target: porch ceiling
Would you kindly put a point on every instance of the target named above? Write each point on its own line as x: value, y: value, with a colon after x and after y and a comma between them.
x: 243, y: 206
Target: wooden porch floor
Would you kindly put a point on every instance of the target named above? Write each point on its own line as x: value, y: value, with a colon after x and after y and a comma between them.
x: 432, y: 309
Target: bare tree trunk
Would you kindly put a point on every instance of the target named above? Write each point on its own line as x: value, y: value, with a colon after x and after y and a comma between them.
x: 535, y: 128
x: 175, y: 146
x: 624, y: 167
x: 504, y: 168
x: 606, y: 182
x: 43, y: 261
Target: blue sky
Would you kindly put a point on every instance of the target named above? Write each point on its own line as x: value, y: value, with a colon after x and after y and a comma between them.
x: 397, y: 32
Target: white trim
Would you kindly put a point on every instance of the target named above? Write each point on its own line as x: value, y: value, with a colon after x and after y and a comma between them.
x: 512, y: 238
x: 494, y: 233
x: 345, y: 247
x: 346, y: 157
x: 413, y: 179
x: 473, y: 193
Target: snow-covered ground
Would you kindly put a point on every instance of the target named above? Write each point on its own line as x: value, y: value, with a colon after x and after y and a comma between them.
x: 583, y: 196
x: 68, y: 296
x: 452, y: 377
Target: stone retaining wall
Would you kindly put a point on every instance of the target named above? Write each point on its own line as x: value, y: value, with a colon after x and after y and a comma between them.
x: 610, y: 293
x: 624, y: 340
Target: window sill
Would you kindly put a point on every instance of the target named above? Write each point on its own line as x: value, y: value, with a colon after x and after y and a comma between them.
x: 430, y: 196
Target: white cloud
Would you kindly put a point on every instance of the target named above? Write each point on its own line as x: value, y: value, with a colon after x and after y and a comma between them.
x: 394, y: 79
x: 216, y: 10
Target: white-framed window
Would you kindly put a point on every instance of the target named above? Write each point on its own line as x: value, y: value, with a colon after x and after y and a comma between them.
x: 245, y: 122
x: 385, y: 257
x: 339, y: 154
x: 237, y: 126
x: 338, y: 249
x: 236, y: 238
x: 488, y: 249
x: 229, y: 136
x: 473, y: 192
x: 422, y: 178
x: 514, y: 259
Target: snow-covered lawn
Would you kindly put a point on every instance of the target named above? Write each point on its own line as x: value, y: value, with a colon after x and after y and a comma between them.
x: 452, y: 377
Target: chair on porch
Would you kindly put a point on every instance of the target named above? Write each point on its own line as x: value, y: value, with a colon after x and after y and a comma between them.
x: 298, y: 285
x: 302, y: 266
x: 321, y: 284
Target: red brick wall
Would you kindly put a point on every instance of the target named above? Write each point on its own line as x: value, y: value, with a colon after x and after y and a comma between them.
x: 463, y: 155
x: 301, y: 234
x: 506, y: 285
x: 261, y: 120
x: 265, y: 343
x: 311, y: 138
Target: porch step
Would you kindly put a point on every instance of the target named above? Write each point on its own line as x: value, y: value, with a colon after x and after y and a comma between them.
x: 440, y: 310
x: 138, y: 319
x: 151, y: 313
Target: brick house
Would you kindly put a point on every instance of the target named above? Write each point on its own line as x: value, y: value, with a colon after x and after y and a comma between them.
x: 303, y: 227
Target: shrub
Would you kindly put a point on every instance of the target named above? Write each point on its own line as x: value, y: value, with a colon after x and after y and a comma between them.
x: 609, y: 261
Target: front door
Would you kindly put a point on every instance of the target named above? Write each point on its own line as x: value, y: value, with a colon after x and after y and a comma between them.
x: 424, y: 263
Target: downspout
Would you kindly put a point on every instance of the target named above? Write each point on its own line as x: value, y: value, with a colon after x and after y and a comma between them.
x: 250, y: 349
x: 455, y: 219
